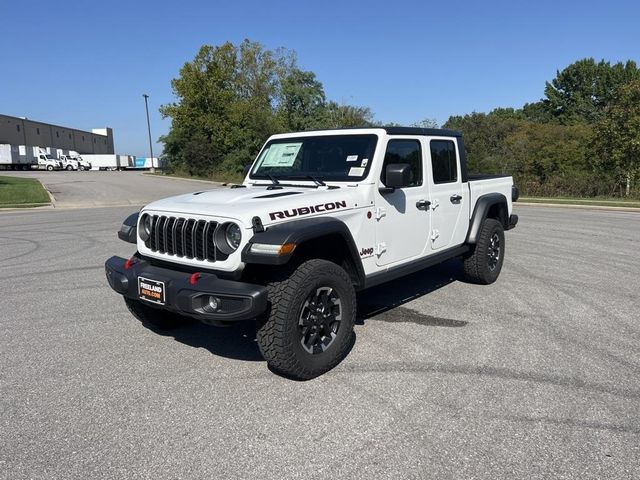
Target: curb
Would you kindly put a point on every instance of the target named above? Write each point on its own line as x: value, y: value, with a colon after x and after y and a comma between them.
x: 6, y: 210
x: 169, y: 177
x: 51, y: 197
x: 573, y: 205
x: 26, y: 207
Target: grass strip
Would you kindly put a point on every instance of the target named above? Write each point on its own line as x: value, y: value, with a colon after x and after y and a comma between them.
x: 22, y: 192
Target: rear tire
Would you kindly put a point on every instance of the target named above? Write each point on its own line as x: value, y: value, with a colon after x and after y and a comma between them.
x: 310, y: 321
x: 154, y: 318
x: 484, y: 263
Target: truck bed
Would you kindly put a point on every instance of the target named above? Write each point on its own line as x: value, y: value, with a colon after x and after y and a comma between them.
x: 483, y: 184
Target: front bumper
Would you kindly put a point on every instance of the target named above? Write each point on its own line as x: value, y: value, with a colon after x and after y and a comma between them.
x: 237, y: 300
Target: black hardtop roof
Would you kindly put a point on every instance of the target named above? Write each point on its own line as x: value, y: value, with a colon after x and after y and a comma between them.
x: 443, y: 132
x: 422, y: 131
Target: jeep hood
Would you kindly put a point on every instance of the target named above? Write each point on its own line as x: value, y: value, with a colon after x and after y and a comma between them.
x: 245, y: 203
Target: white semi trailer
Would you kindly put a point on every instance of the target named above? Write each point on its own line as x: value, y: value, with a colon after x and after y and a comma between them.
x: 7, y: 155
x: 110, y: 161
x: 16, y: 157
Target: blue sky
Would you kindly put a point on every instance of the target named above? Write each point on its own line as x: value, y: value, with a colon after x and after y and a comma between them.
x: 87, y: 64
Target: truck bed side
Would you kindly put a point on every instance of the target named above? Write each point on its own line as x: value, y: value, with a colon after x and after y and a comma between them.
x: 482, y: 184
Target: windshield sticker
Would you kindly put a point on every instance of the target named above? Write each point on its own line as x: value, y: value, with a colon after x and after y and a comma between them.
x: 352, y: 158
x: 364, y: 163
x: 356, y: 172
x: 281, y: 155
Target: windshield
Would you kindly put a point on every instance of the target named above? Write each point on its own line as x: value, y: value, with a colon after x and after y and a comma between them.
x: 327, y: 157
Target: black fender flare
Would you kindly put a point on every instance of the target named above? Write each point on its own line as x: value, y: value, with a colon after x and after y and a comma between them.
x: 128, y: 230
x: 298, y: 232
x: 480, y: 211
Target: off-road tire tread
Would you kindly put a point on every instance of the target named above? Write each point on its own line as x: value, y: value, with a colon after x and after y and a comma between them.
x: 272, y: 331
x: 475, y: 264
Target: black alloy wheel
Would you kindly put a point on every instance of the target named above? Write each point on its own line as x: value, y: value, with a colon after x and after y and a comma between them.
x: 493, y: 252
x: 320, y: 320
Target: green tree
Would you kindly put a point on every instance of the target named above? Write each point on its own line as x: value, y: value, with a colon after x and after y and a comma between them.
x: 337, y: 115
x: 484, y: 138
x: 583, y: 90
x: 230, y: 99
x: 537, y: 112
x: 617, y: 137
x: 547, y: 150
x: 303, y: 101
x: 224, y: 108
x: 426, y: 123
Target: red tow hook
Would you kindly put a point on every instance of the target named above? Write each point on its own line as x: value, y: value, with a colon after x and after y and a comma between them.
x: 194, y: 278
x: 129, y: 263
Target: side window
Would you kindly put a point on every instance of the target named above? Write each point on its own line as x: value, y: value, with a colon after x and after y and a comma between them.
x: 444, y: 163
x: 405, y: 151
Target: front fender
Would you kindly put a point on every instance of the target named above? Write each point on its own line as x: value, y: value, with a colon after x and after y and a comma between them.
x: 298, y: 232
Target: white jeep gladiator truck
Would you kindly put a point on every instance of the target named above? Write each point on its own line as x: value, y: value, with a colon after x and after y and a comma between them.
x: 319, y: 216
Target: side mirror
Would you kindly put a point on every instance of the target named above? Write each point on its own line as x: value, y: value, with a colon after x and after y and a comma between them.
x: 397, y: 175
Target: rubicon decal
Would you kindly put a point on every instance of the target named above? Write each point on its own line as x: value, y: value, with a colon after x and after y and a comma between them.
x: 321, y: 207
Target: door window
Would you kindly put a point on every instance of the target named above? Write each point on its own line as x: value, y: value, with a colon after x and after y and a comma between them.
x: 405, y: 151
x: 444, y: 164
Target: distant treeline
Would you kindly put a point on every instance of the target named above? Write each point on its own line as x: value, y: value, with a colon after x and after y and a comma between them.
x: 581, y: 139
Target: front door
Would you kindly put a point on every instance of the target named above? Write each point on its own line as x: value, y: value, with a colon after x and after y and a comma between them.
x: 402, y: 216
x: 448, y: 198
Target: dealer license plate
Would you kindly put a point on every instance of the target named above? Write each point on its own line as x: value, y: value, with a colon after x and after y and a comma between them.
x: 151, y: 290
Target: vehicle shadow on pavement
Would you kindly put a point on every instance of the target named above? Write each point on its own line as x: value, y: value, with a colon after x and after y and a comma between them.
x: 381, y: 303
x: 384, y: 302
x: 237, y: 341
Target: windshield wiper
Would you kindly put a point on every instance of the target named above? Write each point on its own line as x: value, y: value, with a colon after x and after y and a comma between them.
x: 273, y: 179
x: 275, y: 183
x: 318, y: 181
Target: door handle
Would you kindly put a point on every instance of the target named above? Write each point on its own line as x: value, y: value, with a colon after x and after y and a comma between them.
x: 455, y: 198
x: 423, y: 204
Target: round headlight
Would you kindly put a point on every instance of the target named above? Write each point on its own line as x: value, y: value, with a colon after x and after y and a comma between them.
x: 233, y: 235
x: 144, y: 227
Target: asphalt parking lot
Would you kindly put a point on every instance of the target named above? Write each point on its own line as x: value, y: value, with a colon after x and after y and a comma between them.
x: 535, y: 376
x: 94, y: 188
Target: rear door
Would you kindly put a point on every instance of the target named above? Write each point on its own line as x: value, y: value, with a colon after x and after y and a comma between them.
x: 448, y: 198
x: 402, y: 216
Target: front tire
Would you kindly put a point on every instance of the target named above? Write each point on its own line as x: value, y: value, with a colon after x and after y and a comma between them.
x: 310, y: 322
x: 154, y: 318
x: 49, y: 167
x: 484, y: 264
x: 69, y: 167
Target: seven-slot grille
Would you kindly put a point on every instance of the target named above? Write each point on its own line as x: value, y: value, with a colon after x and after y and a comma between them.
x: 184, y: 237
